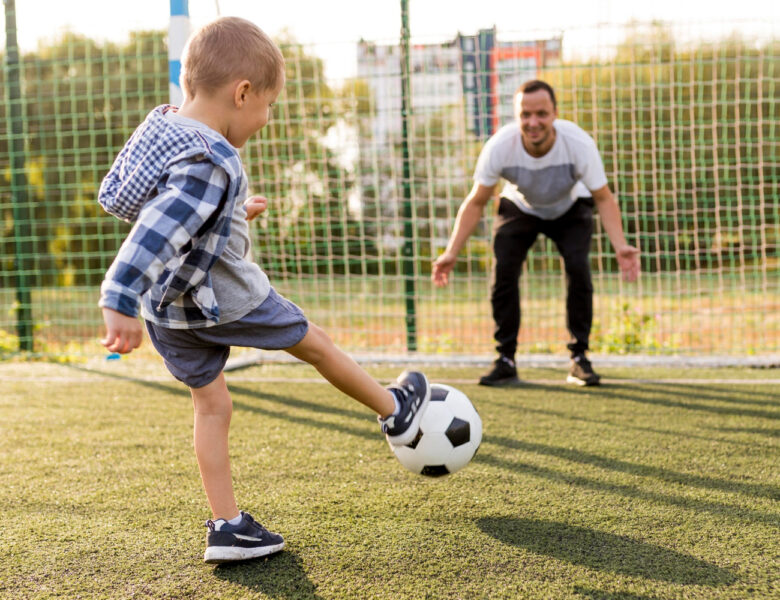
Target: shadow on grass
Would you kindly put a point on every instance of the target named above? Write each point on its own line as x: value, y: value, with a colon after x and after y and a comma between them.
x: 621, y: 425
x: 605, y: 551
x: 279, y: 576
x: 629, y: 392
x: 603, y: 595
x: 775, y: 433
x: 293, y: 402
x: 622, y: 466
x: 312, y: 407
x: 286, y: 401
x: 171, y: 388
x: 719, y: 392
x: 725, y: 510
x: 528, y: 385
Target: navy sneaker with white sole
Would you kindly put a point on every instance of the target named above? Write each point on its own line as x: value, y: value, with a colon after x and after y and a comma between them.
x: 413, y: 394
x: 248, y: 539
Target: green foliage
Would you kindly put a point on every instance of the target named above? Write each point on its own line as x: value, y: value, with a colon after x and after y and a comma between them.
x: 688, y: 134
x: 310, y: 228
x: 81, y: 101
x: 9, y: 344
x: 631, y: 331
x: 684, y: 133
x: 69, y: 352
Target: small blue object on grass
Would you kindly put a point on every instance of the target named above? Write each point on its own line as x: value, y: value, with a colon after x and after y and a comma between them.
x: 114, y: 356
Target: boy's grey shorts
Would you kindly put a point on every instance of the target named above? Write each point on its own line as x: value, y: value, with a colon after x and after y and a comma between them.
x: 197, y: 356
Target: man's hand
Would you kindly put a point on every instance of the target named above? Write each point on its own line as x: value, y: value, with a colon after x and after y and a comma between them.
x: 123, y: 333
x: 255, y: 205
x: 441, y: 269
x: 628, y: 261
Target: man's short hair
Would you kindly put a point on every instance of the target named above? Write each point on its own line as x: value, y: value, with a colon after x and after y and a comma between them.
x: 229, y: 49
x: 534, y: 85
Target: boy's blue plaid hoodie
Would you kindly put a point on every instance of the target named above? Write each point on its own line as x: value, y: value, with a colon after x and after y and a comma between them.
x: 178, y: 186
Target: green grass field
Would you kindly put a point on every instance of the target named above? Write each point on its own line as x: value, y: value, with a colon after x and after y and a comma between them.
x: 660, y: 484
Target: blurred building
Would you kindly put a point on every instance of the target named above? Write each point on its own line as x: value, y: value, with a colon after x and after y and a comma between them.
x: 478, y: 72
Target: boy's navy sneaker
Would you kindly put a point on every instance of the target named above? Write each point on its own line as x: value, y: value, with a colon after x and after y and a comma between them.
x: 503, y: 374
x: 413, y: 394
x: 582, y: 372
x: 248, y: 539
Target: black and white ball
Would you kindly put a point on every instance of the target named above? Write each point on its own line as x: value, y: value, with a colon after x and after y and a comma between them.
x: 450, y: 433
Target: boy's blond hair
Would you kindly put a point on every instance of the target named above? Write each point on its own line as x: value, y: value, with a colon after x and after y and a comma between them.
x: 229, y: 49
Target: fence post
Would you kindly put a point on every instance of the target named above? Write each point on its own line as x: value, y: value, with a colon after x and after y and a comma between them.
x: 408, y: 248
x: 19, y: 201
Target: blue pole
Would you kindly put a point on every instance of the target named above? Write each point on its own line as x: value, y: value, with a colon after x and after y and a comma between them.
x: 178, y: 32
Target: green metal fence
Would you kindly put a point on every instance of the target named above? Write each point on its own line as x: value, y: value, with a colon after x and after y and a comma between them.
x: 365, y: 180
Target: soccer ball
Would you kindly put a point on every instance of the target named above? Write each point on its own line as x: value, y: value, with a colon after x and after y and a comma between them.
x: 450, y: 433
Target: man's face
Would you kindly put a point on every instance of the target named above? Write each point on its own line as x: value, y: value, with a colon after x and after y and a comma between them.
x: 535, y: 113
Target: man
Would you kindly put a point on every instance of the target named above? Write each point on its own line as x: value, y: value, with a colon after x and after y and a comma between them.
x: 554, y: 177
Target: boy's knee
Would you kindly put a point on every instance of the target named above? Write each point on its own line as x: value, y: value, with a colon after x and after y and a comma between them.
x: 212, y: 399
x: 213, y: 407
x: 321, y: 341
x: 315, y: 346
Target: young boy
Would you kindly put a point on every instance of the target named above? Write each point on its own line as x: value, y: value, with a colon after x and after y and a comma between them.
x: 187, y: 262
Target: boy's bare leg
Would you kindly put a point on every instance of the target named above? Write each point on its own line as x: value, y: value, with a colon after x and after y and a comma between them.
x: 213, y: 409
x: 317, y: 349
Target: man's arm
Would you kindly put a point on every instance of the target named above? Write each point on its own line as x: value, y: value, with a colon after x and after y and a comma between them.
x: 609, y: 212
x: 469, y: 215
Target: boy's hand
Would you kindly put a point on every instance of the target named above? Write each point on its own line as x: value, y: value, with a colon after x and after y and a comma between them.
x: 255, y: 205
x: 123, y: 333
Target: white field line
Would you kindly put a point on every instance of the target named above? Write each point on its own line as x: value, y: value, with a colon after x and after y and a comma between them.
x: 307, y: 380
x: 561, y: 380
x: 257, y: 357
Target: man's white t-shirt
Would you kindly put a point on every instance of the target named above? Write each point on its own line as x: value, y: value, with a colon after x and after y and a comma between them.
x: 547, y: 186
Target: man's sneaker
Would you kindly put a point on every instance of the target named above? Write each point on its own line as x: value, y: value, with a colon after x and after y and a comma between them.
x: 503, y: 374
x: 248, y: 539
x: 413, y: 393
x: 582, y: 372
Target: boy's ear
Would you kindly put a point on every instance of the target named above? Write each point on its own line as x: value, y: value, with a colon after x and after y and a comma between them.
x: 240, y: 92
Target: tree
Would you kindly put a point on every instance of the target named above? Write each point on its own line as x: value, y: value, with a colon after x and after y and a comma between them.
x: 82, y: 100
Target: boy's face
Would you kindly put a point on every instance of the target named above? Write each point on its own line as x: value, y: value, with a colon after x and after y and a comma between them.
x: 252, y: 115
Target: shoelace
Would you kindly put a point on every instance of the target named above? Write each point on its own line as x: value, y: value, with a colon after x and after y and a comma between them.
x: 254, y: 525
x: 260, y: 531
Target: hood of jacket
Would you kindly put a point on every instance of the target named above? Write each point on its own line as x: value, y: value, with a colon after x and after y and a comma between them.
x: 142, y: 163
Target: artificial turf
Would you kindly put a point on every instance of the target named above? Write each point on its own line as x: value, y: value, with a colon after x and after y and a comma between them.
x: 648, y: 487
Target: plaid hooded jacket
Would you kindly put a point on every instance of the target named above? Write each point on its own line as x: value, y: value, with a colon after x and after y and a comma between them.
x: 178, y: 186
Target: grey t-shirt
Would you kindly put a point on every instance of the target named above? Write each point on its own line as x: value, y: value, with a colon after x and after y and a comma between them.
x: 549, y: 185
x: 239, y: 284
